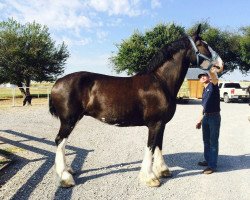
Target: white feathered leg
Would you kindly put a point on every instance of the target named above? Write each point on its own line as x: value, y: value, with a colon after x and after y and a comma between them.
x: 146, y: 174
x: 65, y: 178
x: 160, y: 168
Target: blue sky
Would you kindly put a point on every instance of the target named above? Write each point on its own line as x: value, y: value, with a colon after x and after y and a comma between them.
x: 91, y: 28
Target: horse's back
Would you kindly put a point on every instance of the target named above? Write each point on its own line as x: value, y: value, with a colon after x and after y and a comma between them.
x: 84, y: 91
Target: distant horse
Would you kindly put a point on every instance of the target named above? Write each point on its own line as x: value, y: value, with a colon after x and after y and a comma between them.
x: 145, y: 99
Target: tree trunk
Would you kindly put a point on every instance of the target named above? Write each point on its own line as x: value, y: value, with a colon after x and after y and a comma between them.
x: 28, y: 97
x: 26, y: 93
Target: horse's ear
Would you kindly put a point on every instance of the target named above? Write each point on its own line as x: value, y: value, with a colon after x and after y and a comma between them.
x: 198, y: 31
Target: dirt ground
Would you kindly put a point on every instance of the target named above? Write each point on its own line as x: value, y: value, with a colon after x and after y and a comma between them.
x: 107, y: 159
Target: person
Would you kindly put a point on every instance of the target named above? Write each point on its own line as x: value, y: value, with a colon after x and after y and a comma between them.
x: 210, y: 119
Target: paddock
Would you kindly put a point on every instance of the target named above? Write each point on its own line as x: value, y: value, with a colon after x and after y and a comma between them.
x: 108, y: 158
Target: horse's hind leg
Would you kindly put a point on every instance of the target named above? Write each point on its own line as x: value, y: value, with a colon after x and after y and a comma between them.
x: 64, y: 174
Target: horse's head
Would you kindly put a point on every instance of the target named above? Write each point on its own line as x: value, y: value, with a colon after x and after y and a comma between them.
x: 203, y: 55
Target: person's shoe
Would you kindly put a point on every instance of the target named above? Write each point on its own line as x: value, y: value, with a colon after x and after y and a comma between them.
x: 203, y: 163
x: 208, y: 171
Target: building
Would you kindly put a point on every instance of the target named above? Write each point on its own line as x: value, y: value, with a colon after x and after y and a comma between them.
x: 194, y: 85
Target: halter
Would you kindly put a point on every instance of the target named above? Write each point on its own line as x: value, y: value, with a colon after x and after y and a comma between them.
x: 210, y: 61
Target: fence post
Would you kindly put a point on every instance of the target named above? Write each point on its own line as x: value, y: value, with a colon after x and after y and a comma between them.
x: 48, y: 95
x: 13, y: 96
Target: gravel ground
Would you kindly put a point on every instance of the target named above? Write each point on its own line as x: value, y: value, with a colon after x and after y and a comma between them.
x: 107, y: 159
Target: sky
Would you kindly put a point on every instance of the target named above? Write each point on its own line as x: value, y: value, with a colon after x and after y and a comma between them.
x: 92, y: 28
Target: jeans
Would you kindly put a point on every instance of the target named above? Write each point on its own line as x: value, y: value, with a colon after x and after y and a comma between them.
x: 211, y: 130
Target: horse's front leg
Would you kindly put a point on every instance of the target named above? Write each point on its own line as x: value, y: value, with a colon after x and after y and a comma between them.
x: 146, y: 175
x: 160, y: 167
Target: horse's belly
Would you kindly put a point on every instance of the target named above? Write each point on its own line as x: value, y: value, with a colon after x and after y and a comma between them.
x: 121, y: 116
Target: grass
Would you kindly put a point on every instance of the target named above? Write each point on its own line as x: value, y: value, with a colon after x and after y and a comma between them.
x: 3, y: 162
x: 39, y: 92
x: 11, y: 150
x: 6, y: 93
x: 5, y: 103
x: 5, y: 155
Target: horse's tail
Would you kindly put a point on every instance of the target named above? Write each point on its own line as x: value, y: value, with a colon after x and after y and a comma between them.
x: 52, y: 108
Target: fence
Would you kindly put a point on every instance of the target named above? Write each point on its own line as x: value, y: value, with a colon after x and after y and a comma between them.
x: 12, y: 96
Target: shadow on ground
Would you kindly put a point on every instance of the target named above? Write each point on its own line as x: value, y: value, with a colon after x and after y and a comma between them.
x: 48, y: 157
x: 187, y: 163
x: 182, y: 164
x: 189, y: 101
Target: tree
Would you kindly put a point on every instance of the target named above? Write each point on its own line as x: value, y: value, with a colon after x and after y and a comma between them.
x: 135, y: 52
x: 232, y: 47
x: 27, y: 53
x: 244, y: 42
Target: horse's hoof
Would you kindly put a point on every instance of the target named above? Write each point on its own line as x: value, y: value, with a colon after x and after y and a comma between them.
x: 67, y: 180
x: 153, y: 183
x: 71, y: 171
x: 166, y: 174
x: 150, y: 180
x: 162, y: 173
x: 67, y: 184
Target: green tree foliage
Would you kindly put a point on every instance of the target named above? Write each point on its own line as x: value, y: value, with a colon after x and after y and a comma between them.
x: 135, y: 52
x: 27, y: 53
x: 244, y: 42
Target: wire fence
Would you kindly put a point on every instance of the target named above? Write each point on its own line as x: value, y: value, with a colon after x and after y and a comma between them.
x: 12, y: 96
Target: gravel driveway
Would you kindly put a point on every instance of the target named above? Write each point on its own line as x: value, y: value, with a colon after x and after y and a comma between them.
x: 107, y: 159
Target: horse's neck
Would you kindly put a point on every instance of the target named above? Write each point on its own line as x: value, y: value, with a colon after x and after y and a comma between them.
x: 173, y: 72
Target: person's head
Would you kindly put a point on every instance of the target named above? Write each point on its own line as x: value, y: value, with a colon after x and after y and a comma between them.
x: 203, y: 77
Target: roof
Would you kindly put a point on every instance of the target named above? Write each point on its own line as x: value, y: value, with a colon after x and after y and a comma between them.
x: 192, y: 73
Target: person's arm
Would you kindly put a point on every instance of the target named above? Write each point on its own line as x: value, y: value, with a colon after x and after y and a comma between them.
x: 213, y: 74
x: 198, y: 125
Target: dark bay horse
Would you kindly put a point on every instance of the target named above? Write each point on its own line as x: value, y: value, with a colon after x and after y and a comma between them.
x: 146, y: 99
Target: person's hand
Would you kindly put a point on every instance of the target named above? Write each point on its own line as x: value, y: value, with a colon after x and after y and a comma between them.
x: 217, y: 69
x: 198, y: 125
x: 214, y: 69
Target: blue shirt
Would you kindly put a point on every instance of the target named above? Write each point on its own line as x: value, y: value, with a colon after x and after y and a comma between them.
x: 211, y: 98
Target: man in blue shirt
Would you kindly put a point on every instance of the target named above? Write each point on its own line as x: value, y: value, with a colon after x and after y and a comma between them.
x: 210, y: 119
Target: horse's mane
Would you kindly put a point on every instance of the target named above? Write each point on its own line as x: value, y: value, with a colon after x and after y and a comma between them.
x: 165, y: 53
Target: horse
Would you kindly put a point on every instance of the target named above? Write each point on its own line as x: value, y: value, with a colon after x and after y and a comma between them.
x: 145, y: 99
